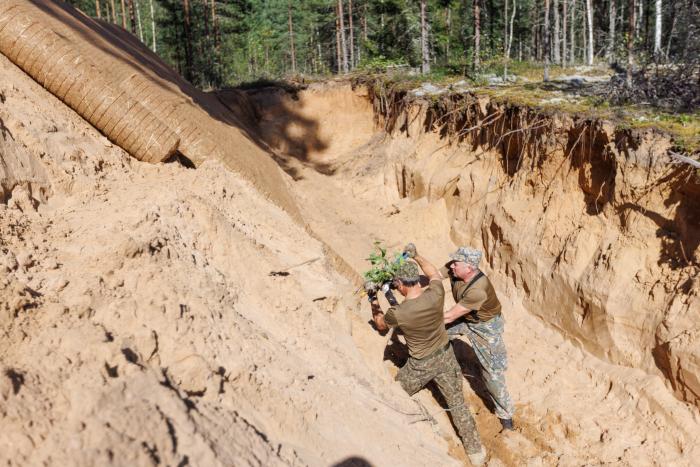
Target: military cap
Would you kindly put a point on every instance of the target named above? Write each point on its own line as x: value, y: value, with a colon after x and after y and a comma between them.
x: 407, y: 271
x: 467, y: 255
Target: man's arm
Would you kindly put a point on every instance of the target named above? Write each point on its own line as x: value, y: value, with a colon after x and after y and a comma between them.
x: 425, y: 265
x: 428, y: 268
x: 455, y: 312
x: 378, y: 316
x: 471, y: 300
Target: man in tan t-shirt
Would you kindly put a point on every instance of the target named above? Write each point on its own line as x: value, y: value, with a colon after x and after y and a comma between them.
x: 431, y: 358
x: 477, y: 315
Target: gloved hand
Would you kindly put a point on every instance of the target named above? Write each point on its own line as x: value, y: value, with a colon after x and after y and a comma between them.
x: 410, y: 250
x: 371, y: 290
x: 386, y: 288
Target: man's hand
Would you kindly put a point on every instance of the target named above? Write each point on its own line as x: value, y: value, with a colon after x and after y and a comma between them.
x: 371, y: 289
x: 410, y: 250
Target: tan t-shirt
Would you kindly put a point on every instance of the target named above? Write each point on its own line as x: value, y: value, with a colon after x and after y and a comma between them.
x: 480, y: 298
x: 422, y: 320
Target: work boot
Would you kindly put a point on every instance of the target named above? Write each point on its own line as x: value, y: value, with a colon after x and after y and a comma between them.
x: 478, y: 458
x: 506, y: 423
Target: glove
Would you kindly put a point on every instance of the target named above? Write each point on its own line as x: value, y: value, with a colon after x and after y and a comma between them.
x: 371, y: 290
x: 410, y: 251
x: 386, y: 288
x: 390, y: 298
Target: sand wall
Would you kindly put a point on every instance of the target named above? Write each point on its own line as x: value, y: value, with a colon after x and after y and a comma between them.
x: 595, y: 227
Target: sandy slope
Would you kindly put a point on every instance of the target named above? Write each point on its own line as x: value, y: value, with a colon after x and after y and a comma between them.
x: 140, y: 323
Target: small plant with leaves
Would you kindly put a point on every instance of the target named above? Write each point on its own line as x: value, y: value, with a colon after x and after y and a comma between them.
x: 383, y: 267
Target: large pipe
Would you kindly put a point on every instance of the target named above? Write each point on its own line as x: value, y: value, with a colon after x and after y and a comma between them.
x: 67, y: 73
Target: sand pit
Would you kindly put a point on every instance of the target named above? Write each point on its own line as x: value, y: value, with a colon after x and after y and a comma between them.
x: 155, y: 314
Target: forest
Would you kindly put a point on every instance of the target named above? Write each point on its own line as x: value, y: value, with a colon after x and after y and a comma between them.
x: 652, y: 45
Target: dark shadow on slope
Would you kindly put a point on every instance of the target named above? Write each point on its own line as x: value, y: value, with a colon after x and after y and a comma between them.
x: 353, y: 461
x: 397, y: 353
x: 281, y: 125
x: 589, y: 153
x: 471, y: 370
x: 680, y: 236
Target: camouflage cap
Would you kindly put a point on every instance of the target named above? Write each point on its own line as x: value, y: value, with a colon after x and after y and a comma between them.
x: 407, y: 271
x: 468, y: 255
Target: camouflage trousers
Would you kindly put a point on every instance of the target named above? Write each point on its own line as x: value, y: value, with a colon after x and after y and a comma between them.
x: 445, y: 371
x: 486, y: 338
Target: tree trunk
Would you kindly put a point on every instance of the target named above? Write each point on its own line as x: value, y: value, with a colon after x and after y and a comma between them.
x: 557, y: 49
x: 640, y: 17
x: 510, y: 32
x: 292, y: 51
x: 630, y: 42
x: 138, y: 19
x: 534, y: 31
x: 563, y: 33
x: 425, y: 48
x: 132, y: 16
x: 319, y: 54
x: 217, y: 41
x: 546, y: 41
x: 215, y: 26
x: 657, y: 30
x: 612, y: 13
x: 188, y: 40
x: 584, y: 31
x: 671, y: 31
x: 352, y: 35
x: 509, y: 37
x: 207, y: 30
x: 589, y: 18
x: 338, y: 53
x: 153, y: 27
x: 343, y: 43
x: 123, y: 15
x: 448, y: 28
x: 492, y: 35
x: 209, y: 49
x: 97, y: 9
x: 364, y: 22
x: 505, y: 27
x: 114, y: 12
x: 477, y: 34
x: 572, y: 55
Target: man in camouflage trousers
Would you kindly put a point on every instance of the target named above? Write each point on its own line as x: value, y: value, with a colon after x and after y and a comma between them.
x: 477, y: 315
x: 431, y: 358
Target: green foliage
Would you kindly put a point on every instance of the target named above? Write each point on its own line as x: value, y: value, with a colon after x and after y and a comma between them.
x: 226, y: 42
x: 380, y: 64
x: 382, y: 268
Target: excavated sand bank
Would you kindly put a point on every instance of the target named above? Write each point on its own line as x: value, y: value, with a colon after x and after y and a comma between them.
x: 595, y: 227
x: 597, y: 373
